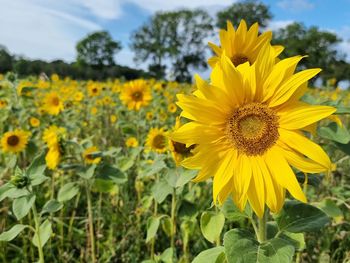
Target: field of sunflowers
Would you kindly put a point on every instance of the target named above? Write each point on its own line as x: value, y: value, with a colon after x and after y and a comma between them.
x: 250, y: 166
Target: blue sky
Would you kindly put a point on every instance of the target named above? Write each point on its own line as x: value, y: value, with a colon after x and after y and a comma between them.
x: 49, y: 29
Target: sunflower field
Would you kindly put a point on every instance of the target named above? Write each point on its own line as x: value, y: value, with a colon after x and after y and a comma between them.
x: 251, y: 165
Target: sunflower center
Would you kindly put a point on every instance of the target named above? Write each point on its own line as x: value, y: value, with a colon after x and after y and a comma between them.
x: 55, y: 101
x: 137, y: 96
x: 239, y: 59
x: 13, y: 140
x: 253, y: 128
x: 159, y: 141
x: 94, y: 90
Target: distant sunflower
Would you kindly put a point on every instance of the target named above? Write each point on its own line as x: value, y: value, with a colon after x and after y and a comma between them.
x: 34, y: 122
x: 247, y: 126
x: 172, y: 108
x: 89, y: 155
x: 113, y: 118
x: 53, y: 139
x: 149, y: 116
x: 94, y: 89
x: 132, y: 142
x: 15, y: 141
x: 53, y: 104
x: 242, y: 45
x: 136, y: 94
x: 157, y: 140
x: 179, y: 150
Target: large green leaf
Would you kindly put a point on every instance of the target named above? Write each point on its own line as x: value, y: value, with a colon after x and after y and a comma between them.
x: 212, y: 255
x: 67, y: 192
x: 152, y: 227
x: 335, y: 133
x: 51, y: 206
x: 109, y: 172
x: 37, y: 169
x: 297, y: 217
x: 232, y: 212
x: 211, y: 225
x: 22, y: 205
x: 12, y: 233
x: 242, y: 247
x: 161, y: 190
x: 45, y: 231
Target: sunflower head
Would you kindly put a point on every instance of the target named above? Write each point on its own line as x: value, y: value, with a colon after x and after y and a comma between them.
x: 53, y: 137
x: 34, y: 122
x: 94, y: 89
x: 90, y: 155
x: 53, y: 103
x: 157, y: 140
x: 136, y: 94
x: 241, y: 45
x: 248, y: 127
x: 15, y: 141
x: 131, y: 142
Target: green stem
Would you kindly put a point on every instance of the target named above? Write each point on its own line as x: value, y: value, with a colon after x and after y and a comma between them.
x: 153, y: 239
x: 262, y: 227
x: 173, y: 222
x: 91, y: 226
x: 37, y: 231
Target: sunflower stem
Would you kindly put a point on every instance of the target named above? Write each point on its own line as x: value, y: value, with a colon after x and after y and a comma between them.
x: 37, y: 231
x: 91, y: 226
x: 173, y: 222
x: 262, y: 226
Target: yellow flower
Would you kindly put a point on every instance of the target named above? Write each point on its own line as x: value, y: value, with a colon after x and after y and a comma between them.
x: 242, y: 45
x: 132, y: 142
x: 247, y: 126
x: 53, y: 104
x: 94, y: 89
x: 94, y: 110
x: 34, y: 122
x: 107, y: 100
x: 156, y: 140
x: 89, y: 155
x: 53, y: 137
x: 179, y: 151
x: 55, y: 78
x: 78, y: 96
x: 3, y: 104
x: 15, y: 141
x: 149, y: 116
x: 172, y: 108
x: 136, y: 94
x: 113, y: 118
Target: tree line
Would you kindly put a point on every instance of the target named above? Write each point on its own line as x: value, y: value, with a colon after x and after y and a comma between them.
x: 173, y: 43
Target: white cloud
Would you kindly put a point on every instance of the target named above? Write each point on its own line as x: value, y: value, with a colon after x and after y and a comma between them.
x: 275, y: 25
x: 296, y: 5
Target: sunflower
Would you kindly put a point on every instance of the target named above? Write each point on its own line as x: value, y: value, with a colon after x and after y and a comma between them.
x: 248, y: 127
x: 149, y: 116
x: 242, y: 45
x: 34, y: 122
x: 53, y: 104
x: 89, y: 155
x: 113, y: 118
x: 136, y: 94
x: 78, y: 96
x: 172, y: 108
x: 94, y: 89
x: 15, y: 141
x: 156, y: 140
x: 178, y: 150
x: 132, y: 142
x: 53, y: 137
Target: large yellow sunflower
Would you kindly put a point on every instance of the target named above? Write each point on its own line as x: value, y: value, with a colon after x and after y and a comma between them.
x: 136, y: 94
x: 242, y: 45
x: 53, y: 104
x: 248, y: 129
x: 156, y: 140
x: 15, y: 141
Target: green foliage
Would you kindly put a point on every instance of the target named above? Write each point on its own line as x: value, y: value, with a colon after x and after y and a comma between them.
x: 12, y: 233
x: 212, y: 225
x: 97, y: 50
x: 212, y: 255
x: 250, y: 10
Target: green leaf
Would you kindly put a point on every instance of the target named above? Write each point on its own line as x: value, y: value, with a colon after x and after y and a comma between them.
x: 108, y: 172
x: 180, y: 177
x: 45, y: 231
x: 335, y: 133
x: 152, y: 227
x: 67, y: 192
x: 342, y: 110
x: 212, y: 255
x: 296, y: 239
x: 212, y: 225
x: 16, y: 193
x: 161, y: 190
x: 241, y: 246
x: 331, y: 209
x: 232, y: 212
x: 51, y: 206
x: 37, y: 169
x: 104, y: 186
x: 12, y: 233
x: 88, y: 172
x: 167, y: 225
x: 4, y: 189
x: 297, y: 217
x: 22, y: 205
x: 167, y: 255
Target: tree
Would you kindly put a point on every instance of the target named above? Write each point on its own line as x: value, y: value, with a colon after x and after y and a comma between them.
x: 97, y: 50
x: 173, y: 38
x: 6, y: 61
x: 250, y: 10
x: 318, y: 45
